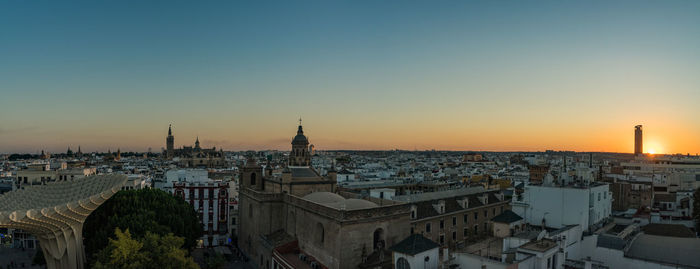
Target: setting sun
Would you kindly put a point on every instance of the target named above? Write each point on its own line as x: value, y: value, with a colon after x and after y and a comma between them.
x: 654, y: 146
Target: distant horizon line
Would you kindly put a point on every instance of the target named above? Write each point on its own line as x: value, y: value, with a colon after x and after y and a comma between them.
x: 377, y: 150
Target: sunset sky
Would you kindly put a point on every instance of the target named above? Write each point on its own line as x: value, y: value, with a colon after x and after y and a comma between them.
x: 448, y: 75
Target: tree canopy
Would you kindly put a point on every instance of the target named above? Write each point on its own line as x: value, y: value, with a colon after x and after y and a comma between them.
x: 141, y: 212
x: 151, y: 252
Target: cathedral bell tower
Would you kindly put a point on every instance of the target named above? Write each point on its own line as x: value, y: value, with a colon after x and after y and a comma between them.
x: 170, y: 143
x: 300, y: 155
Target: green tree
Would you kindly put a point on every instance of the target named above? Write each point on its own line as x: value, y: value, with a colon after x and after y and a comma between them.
x: 166, y: 251
x: 122, y: 252
x: 216, y: 261
x: 151, y: 252
x: 141, y: 212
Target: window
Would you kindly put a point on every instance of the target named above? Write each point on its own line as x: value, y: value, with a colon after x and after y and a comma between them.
x: 466, y: 217
x: 605, y: 195
x: 321, y: 235
x: 252, y: 179
x: 599, y: 196
x: 476, y: 229
x: 378, y: 238
x: 402, y: 263
x: 494, y: 212
x: 549, y: 260
x: 427, y: 227
x: 454, y: 236
x: 250, y: 211
x: 465, y: 233
x: 454, y: 221
x: 442, y: 224
x: 476, y: 216
x: 486, y: 213
x: 442, y: 239
x: 180, y: 193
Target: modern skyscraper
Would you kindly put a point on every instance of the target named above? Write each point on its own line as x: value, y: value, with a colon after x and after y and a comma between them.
x: 638, y: 142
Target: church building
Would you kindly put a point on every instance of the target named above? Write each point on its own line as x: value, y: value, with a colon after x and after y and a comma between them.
x: 299, y: 219
x: 193, y: 157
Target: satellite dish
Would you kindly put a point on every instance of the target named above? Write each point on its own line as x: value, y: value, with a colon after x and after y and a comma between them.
x: 541, y: 235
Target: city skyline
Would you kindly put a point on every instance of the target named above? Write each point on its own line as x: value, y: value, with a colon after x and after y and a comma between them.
x: 407, y: 75
x: 654, y: 147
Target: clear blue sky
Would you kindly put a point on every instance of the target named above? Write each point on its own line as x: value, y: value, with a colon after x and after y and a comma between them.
x: 491, y: 75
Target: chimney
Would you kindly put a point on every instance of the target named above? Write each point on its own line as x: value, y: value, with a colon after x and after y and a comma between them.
x: 543, y: 224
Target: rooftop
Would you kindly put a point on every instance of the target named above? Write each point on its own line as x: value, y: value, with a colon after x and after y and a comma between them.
x: 418, y: 197
x: 662, y: 229
x: 507, y: 216
x: 665, y: 249
x: 611, y: 242
x: 338, y: 202
x: 541, y: 245
x: 303, y: 172
x: 414, y: 244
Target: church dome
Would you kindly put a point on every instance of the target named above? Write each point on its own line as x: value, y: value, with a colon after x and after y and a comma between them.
x: 324, y: 197
x: 300, y: 138
x: 336, y: 201
x: 351, y: 204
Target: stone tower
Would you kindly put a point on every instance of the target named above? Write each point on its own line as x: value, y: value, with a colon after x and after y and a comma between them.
x: 300, y: 155
x: 252, y: 175
x: 170, y: 143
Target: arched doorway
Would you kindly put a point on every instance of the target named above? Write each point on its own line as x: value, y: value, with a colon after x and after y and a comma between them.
x: 402, y: 263
x: 378, y: 239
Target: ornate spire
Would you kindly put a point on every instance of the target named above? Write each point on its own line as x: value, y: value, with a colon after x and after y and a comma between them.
x: 300, y: 131
x: 170, y: 129
x: 300, y: 152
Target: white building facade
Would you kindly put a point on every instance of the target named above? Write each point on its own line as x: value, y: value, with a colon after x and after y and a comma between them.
x: 209, y: 198
x: 559, y: 206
